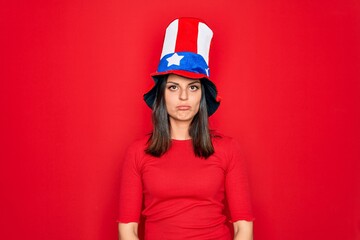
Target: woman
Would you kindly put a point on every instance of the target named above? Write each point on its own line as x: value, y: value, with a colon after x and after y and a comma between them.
x: 183, y: 177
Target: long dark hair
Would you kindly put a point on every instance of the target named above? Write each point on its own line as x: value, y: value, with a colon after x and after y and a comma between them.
x: 160, y: 139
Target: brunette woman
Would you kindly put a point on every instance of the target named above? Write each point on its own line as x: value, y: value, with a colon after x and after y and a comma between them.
x: 188, y: 181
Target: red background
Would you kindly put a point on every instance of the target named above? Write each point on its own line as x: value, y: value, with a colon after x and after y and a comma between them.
x: 72, y: 78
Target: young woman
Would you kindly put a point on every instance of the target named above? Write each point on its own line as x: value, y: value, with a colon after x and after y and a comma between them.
x: 188, y: 181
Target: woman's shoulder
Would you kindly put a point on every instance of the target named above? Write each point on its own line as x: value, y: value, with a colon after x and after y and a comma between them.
x: 138, y: 143
x: 221, y: 138
x: 225, y: 144
x: 227, y: 148
x: 135, y: 151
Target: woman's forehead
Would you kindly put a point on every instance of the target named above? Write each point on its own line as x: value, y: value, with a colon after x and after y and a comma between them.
x: 180, y: 79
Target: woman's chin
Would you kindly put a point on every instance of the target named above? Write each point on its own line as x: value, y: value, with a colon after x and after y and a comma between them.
x: 183, y: 117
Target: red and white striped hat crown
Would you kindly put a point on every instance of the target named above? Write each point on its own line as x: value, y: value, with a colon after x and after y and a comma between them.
x: 186, y: 49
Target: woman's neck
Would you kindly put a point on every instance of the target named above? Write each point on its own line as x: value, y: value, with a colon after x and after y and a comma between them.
x: 179, y: 129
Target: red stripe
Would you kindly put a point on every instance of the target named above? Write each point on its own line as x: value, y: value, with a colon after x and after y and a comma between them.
x: 186, y: 40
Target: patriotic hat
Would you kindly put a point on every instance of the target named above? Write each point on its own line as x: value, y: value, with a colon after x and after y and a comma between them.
x: 186, y: 53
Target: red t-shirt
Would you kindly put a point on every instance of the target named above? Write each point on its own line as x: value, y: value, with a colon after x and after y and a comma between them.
x: 184, y: 195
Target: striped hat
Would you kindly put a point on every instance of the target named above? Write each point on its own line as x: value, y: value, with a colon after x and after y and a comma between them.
x: 186, y: 53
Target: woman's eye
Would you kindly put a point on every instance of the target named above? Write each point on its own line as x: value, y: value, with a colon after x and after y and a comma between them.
x: 193, y: 87
x: 172, y: 87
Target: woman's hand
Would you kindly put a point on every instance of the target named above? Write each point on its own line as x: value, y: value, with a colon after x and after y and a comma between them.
x: 128, y: 231
x: 243, y: 230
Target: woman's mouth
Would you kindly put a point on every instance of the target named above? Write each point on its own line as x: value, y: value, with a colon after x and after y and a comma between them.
x: 183, y: 107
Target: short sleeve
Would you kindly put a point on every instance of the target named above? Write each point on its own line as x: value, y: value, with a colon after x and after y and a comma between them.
x: 130, y: 199
x: 237, y: 185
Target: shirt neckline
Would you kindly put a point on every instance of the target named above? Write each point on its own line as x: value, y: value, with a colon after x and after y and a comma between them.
x: 181, y: 140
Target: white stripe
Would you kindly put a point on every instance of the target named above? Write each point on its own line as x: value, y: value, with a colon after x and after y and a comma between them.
x: 205, y: 35
x: 170, y: 38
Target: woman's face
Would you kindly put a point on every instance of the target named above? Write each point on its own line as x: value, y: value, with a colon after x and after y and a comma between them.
x: 182, y: 97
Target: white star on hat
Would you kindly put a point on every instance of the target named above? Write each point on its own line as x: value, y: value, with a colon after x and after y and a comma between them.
x: 174, y: 60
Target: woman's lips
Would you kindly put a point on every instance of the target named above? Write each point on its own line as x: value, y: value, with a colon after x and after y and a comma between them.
x: 183, y: 107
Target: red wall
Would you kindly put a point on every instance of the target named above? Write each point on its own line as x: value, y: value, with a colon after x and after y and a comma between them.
x: 72, y: 78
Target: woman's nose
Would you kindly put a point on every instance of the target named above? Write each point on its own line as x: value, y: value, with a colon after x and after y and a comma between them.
x: 183, y: 94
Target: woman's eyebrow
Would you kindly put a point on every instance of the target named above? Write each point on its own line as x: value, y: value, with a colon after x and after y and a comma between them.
x: 197, y: 81
x: 173, y: 83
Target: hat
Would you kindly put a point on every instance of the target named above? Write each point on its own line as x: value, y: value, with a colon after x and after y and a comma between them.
x: 186, y: 53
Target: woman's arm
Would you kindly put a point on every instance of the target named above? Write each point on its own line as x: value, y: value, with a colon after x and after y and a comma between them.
x: 243, y: 230
x: 128, y: 231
